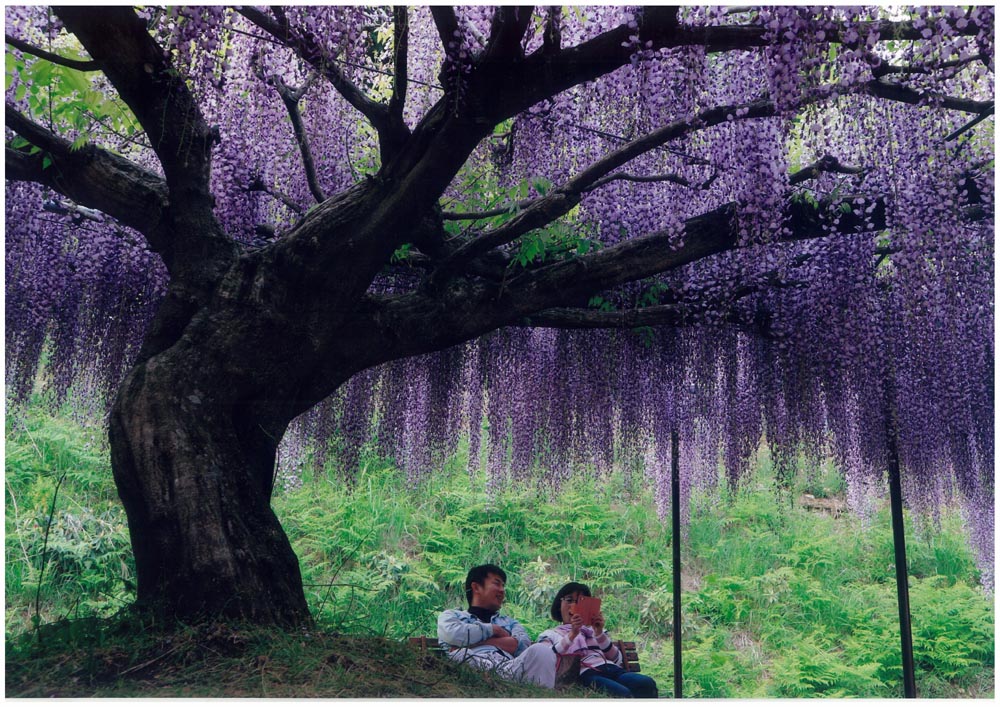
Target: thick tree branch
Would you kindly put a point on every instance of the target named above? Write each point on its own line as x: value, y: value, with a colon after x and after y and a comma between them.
x: 506, y: 32
x: 463, y: 309
x: 494, y: 91
x: 824, y: 164
x: 198, y: 252
x: 706, y: 235
x: 692, y: 311
x: 118, y: 41
x: 559, y: 202
x: 499, y: 90
x: 447, y: 25
x: 91, y: 177
x: 508, y: 91
x: 619, y: 176
x: 723, y: 38
x: 79, y: 65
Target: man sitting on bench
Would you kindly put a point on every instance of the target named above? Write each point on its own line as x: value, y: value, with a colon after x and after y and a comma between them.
x: 485, y: 639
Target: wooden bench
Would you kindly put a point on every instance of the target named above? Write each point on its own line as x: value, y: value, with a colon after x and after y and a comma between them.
x: 568, y: 670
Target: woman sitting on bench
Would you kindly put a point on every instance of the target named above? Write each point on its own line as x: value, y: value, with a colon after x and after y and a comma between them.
x: 600, y: 659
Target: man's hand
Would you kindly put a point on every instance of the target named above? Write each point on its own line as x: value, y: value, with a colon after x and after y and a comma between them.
x: 576, y: 621
x: 500, y: 632
x: 505, y: 643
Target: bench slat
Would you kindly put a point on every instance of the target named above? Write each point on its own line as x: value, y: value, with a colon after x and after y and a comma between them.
x: 630, y: 656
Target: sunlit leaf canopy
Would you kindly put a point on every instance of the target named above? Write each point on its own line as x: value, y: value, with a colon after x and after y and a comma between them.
x: 803, y: 338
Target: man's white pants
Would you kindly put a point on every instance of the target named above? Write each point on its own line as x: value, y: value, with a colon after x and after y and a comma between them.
x: 536, y: 665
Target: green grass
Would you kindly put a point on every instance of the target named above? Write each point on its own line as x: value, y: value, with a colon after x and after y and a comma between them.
x: 778, y: 601
x: 122, y: 658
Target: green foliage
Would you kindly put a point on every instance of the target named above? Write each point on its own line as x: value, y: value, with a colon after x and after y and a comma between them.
x: 479, y: 193
x: 67, y: 98
x: 777, y: 601
x: 813, y: 669
x: 83, y: 564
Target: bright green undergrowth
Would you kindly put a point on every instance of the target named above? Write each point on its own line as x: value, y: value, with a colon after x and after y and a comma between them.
x: 777, y: 600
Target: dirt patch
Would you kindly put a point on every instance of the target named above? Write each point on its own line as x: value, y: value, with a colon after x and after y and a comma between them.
x: 744, y: 641
x: 832, y: 506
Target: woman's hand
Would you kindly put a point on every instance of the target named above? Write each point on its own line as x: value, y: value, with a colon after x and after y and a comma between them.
x: 598, y: 623
x: 576, y: 621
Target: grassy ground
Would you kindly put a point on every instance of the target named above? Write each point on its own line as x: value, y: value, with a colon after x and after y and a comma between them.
x: 778, y: 601
x: 120, y: 659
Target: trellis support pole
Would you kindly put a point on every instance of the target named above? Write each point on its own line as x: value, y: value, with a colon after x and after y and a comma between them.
x: 899, y: 546
x: 675, y: 512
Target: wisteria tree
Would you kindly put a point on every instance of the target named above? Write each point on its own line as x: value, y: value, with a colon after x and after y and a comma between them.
x: 749, y: 224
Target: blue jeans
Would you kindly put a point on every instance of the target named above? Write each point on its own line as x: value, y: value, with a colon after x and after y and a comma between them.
x: 619, y: 683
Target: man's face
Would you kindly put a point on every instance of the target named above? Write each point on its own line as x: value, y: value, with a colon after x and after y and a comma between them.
x: 490, y: 594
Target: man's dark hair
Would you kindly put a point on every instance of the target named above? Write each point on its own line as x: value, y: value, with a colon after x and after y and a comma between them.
x: 478, y: 574
x: 566, y: 590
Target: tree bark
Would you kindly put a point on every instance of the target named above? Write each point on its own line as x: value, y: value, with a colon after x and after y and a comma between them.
x: 196, y: 489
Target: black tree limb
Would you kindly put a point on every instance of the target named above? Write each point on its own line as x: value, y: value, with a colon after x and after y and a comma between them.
x: 291, y: 97
x: 118, y: 41
x: 506, y: 32
x: 400, y: 59
x: 78, y: 64
x: 827, y: 163
x: 446, y: 23
x: 92, y: 177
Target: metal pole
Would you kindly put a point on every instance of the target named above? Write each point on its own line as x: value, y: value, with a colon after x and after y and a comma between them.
x: 675, y: 512
x: 899, y: 545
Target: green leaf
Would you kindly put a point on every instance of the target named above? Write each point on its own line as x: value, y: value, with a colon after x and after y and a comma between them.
x: 80, y: 141
x: 12, y: 67
x: 46, y: 162
x: 40, y: 72
x: 402, y: 252
x: 73, y: 81
x: 541, y: 185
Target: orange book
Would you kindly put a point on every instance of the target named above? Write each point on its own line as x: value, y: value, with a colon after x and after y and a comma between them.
x: 588, y: 608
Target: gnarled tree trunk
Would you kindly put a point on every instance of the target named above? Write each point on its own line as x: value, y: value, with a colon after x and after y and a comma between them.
x: 197, y: 492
